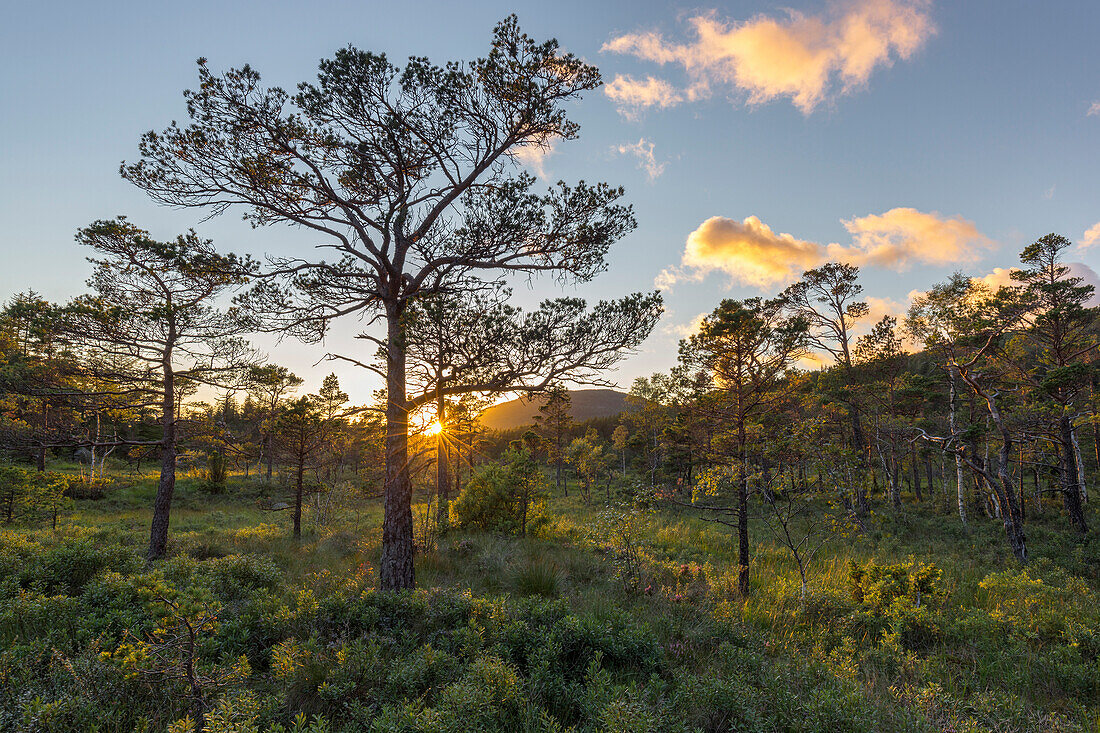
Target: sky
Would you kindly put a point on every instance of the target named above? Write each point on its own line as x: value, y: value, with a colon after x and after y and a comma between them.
x: 754, y: 139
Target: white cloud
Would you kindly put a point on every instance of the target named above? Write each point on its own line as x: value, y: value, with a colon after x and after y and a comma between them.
x: 534, y: 157
x: 751, y: 253
x: 1003, y: 276
x: 806, y: 58
x: 647, y: 161
x: 684, y: 330
x: 1094, y: 108
x: 631, y: 95
x: 1088, y: 277
x: 1091, y: 236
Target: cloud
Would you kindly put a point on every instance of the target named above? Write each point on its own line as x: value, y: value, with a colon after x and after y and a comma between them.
x: 1000, y: 276
x: 1091, y: 236
x: 534, y: 157
x: 643, y: 151
x: 879, y: 307
x: 684, y: 330
x: 1088, y: 277
x: 1003, y: 276
x: 748, y: 251
x: 631, y: 95
x: 903, y: 236
x: 1094, y: 108
x: 806, y: 58
x: 751, y: 253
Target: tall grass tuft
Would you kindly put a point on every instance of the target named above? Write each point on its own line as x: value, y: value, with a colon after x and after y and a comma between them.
x: 538, y: 577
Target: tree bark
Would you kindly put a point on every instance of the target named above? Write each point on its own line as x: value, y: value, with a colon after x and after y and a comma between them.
x: 1071, y: 490
x: 166, y: 486
x: 269, y: 457
x: 396, y: 572
x: 952, y: 400
x: 298, y: 497
x: 743, y: 516
x: 1081, y: 485
x: 1001, y: 484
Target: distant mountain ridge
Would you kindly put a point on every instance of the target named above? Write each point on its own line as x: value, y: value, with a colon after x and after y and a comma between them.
x: 586, y: 404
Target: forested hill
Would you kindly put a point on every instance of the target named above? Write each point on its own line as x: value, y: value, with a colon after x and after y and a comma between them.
x: 586, y: 404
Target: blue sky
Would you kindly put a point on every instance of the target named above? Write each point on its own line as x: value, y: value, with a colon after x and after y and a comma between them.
x: 948, y: 137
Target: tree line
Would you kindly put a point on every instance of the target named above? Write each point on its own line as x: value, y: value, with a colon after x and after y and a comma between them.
x: 978, y: 401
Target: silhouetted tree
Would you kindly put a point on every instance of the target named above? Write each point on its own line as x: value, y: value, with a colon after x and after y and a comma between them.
x: 151, y: 306
x: 408, y: 174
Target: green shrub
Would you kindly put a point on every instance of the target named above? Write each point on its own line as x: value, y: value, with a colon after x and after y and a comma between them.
x: 503, y: 497
x: 235, y: 576
x: 488, y: 697
x: 67, y: 567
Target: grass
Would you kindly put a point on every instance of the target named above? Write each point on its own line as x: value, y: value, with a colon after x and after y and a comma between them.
x: 990, y: 649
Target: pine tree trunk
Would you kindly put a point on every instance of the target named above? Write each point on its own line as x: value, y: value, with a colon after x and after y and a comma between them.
x: 270, y: 458
x: 396, y: 572
x: 298, y: 495
x: 1082, y: 487
x: 1071, y: 490
x: 166, y: 486
x: 952, y: 401
x: 916, y: 474
x: 442, y: 479
x: 743, y: 516
x: 859, y: 445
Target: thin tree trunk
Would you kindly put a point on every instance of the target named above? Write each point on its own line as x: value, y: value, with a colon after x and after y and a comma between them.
x: 269, y: 456
x: 1002, y: 482
x: 952, y: 401
x: 442, y: 479
x: 1082, y: 487
x: 1071, y: 490
x: 1094, y: 422
x: 915, y: 457
x: 743, y: 515
x: 166, y: 486
x: 298, y: 496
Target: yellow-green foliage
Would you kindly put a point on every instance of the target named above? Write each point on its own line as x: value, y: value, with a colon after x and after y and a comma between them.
x: 1042, y: 604
x: 907, y: 626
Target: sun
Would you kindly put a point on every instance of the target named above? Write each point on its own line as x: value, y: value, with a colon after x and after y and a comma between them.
x: 435, y: 428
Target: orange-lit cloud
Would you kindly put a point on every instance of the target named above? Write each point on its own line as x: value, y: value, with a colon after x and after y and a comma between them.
x: 1091, y: 236
x: 751, y: 253
x: 1000, y: 277
x: 806, y: 58
x: 647, y: 161
x: 748, y: 251
x: 877, y: 308
x: 902, y: 236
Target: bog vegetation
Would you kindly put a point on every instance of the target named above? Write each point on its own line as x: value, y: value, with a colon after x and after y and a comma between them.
x: 812, y: 523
